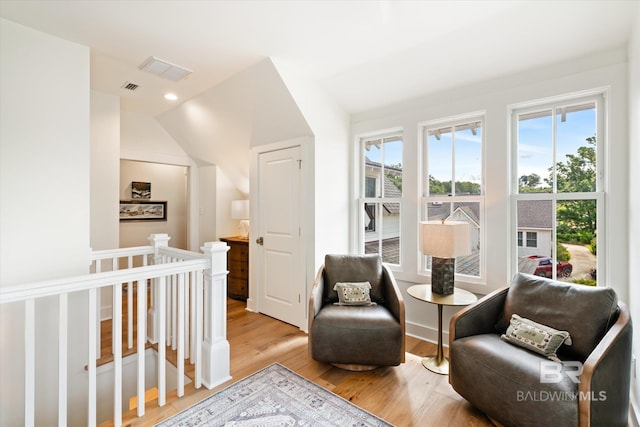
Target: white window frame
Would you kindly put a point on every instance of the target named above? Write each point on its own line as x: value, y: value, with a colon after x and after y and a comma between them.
x: 599, y: 96
x: 423, y: 176
x: 379, y: 201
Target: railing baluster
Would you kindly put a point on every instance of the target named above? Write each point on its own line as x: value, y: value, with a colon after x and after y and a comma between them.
x: 180, y: 337
x: 29, y: 363
x: 130, y: 305
x: 198, y: 327
x: 91, y: 365
x: 192, y: 317
x: 63, y: 322
x: 97, y: 319
x: 142, y: 334
x: 187, y: 307
x: 114, y: 267
x: 162, y: 345
x: 174, y: 310
x: 116, y: 330
x: 167, y: 308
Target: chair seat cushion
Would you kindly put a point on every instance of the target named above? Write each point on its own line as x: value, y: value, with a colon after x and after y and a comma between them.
x: 512, y: 384
x: 363, y: 335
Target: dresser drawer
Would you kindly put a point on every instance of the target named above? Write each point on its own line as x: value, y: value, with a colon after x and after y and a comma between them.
x: 238, y: 266
x: 237, y: 288
x: 238, y: 269
x: 238, y: 253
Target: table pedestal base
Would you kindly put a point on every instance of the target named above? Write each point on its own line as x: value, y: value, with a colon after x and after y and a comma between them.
x: 432, y: 364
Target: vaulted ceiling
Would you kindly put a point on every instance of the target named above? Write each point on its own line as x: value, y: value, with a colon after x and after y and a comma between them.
x: 365, y: 54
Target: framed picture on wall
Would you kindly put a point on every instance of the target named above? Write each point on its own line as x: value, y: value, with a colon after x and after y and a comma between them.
x: 141, y: 190
x: 138, y: 210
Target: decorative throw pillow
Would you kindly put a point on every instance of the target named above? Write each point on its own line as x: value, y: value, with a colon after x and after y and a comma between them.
x: 533, y: 336
x: 357, y: 293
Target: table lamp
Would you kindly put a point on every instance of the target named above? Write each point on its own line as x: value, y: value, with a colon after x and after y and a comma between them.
x: 444, y: 241
x: 240, y: 210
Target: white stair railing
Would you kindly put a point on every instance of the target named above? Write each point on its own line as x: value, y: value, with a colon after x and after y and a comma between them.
x: 188, y: 311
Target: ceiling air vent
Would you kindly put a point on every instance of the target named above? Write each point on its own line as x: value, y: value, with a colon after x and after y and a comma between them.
x: 164, y: 69
x: 129, y: 86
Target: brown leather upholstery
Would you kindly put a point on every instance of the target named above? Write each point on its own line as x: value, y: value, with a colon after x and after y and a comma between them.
x: 506, y: 381
x: 358, y: 336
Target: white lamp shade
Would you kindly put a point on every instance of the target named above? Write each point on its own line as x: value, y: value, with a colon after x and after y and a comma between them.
x: 445, y: 240
x: 240, y: 209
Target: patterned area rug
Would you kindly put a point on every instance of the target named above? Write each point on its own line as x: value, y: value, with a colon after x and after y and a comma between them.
x: 274, y: 396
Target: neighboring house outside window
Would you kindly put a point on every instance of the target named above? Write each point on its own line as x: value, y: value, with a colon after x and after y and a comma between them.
x: 535, y: 226
x: 381, y: 196
x: 452, y: 171
x: 558, y: 186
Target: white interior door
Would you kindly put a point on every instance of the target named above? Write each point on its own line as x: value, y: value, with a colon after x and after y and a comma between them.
x: 280, y: 263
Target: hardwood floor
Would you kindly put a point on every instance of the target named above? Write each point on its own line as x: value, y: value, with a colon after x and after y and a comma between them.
x: 406, y: 395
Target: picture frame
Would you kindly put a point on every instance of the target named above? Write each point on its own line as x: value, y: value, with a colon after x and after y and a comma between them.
x: 143, y: 210
x: 140, y: 190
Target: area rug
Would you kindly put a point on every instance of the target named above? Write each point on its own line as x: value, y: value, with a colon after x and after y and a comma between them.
x: 274, y: 396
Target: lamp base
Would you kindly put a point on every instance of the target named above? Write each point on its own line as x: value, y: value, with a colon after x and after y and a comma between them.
x: 443, y: 271
x: 244, y: 228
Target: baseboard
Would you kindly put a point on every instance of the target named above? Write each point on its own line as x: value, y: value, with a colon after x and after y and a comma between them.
x: 106, y: 313
x: 634, y: 414
x: 426, y: 333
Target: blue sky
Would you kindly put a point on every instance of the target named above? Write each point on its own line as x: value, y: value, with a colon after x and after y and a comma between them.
x: 535, y: 153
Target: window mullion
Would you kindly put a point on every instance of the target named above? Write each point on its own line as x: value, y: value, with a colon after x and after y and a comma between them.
x: 453, y: 160
x: 554, y: 176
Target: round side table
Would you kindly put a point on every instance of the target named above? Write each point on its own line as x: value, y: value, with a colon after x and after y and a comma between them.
x: 438, y: 363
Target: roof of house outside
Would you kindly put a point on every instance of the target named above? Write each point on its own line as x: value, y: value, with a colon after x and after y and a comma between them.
x: 535, y: 214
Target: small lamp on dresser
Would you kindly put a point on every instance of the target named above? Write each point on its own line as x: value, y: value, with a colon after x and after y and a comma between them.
x: 240, y: 210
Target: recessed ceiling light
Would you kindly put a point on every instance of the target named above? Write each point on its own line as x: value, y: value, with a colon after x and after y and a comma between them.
x: 170, y: 96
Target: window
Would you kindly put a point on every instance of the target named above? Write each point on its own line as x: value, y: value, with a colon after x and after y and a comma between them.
x: 558, y: 189
x: 452, y: 170
x: 532, y: 239
x: 381, y: 196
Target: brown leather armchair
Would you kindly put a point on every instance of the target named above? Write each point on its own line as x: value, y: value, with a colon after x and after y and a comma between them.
x: 517, y: 387
x: 356, y: 337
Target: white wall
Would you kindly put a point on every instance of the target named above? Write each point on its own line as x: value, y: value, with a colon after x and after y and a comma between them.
x: 606, y: 69
x: 634, y: 201
x: 44, y: 214
x: 105, y: 172
x: 226, y: 192
x: 143, y: 138
x: 105, y: 167
x: 207, y: 204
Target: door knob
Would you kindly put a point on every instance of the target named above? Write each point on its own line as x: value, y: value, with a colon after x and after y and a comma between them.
x: 260, y: 241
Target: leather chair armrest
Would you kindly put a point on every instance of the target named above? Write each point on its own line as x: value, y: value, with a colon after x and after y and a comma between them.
x: 394, y: 302
x: 392, y: 295
x: 316, y: 300
x: 478, y: 318
x: 315, y: 303
x: 605, y: 380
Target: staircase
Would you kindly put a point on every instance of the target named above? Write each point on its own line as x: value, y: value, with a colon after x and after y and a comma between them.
x: 183, y: 295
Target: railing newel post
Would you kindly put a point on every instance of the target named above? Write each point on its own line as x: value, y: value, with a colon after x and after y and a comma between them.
x: 215, y: 346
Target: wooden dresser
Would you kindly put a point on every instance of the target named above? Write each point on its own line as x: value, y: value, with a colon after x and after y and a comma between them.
x: 238, y: 266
